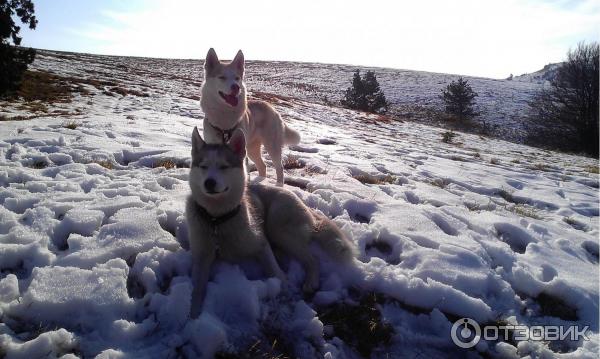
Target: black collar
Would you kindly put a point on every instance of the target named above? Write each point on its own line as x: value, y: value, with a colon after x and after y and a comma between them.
x: 225, y: 134
x: 216, y: 221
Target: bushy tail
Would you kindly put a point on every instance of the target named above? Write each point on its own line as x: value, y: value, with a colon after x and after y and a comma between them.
x: 292, y: 137
x: 333, y: 241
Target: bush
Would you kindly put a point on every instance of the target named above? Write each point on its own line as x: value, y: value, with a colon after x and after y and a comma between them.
x: 565, y: 115
x: 365, y: 94
x: 459, y: 99
x: 13, y: 59
x: 448, y: 136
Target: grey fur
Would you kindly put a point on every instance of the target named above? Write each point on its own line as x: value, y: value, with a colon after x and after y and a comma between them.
x: 268, y: 216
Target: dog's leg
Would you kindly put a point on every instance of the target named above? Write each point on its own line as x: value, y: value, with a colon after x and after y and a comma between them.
x: 278, y: 169
x: 275, y: 153
x: 270, y: 264
x: 253, y: 151
x: 311, y: 267
x: 200, y: 274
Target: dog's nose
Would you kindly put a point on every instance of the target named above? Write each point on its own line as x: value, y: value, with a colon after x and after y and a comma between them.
x: 210, y: 184
x: 235, y: 89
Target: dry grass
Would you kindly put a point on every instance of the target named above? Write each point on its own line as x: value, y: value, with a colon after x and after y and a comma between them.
x: 540, y: 167
x: 592, y: 169
x: 39, y: 164
x: 14, y: 118
x: 458, y: 158
x: 360, y: 326
x: 166, y: 163
x: 106, y: 164
x: 526, y: 211
x: 494, y: 161
x: 45, y: 87
x: 293, y: 162
x: 439, y: 182
x: 71, y: 125
x: 124, y: 92
x: 366, y: 178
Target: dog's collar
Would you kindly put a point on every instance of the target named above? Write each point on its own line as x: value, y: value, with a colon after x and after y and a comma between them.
x: 213, y: 221
x: 225, y: 134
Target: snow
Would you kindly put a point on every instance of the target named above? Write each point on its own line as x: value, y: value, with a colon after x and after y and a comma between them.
x: 94, y: 258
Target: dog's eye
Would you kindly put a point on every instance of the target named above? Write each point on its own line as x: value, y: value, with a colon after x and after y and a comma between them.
x: 223, y: 167
x: 237, y: 78
x: 203, y: 167
x: 222, y: 78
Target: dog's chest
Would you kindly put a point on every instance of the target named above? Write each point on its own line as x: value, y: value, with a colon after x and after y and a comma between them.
x: 236, y: 241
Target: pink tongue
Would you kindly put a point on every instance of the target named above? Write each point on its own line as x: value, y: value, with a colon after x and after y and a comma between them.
x: 231, y: 99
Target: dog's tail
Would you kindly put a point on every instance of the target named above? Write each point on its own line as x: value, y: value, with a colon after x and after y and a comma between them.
x: 291, y: 136
x: 333, y: 240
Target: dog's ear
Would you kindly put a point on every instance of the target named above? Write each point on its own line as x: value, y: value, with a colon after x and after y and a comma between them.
x: 238, y: 61
x: 237, y: 143
x: 211, y: 62
x: 197, y: 142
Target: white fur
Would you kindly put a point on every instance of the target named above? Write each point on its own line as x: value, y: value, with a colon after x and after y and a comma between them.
x: 259, y: 121
x: 268, y: 216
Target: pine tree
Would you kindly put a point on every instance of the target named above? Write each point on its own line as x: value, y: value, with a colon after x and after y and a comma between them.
x: 365, y: 94
x: 459, y: 99
x: 13, y: 59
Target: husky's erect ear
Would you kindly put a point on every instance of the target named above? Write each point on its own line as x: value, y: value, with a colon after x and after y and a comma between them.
x: 238, y: 61
x: 197, y: 142
x: 211, y: 62
x: 237, y: 143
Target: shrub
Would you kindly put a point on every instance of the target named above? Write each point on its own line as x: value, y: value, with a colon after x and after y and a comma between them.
x: 365, y: 94
x: 13, y: 59
x: 459, y: 97
x: 565, y: 114
x: 448, y: 136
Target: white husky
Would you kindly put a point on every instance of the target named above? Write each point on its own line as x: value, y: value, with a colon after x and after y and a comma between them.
x: 231, y: 220
x: 226, y: 108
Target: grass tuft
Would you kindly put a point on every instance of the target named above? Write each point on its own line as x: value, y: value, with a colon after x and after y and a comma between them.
x: 166, y: 163
x: 366, y: 178
x: 526, y: 211
x: 106, y: 164
x: 293, y: 162
x: 71, y: 125
x: 360, y: 326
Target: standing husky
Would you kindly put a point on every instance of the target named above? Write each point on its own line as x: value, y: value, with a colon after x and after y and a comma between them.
x: 231, y: 220
x: 226, y: 108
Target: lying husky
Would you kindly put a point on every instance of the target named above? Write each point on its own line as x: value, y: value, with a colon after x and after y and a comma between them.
x: 226, y: 109
x: 231, y: 220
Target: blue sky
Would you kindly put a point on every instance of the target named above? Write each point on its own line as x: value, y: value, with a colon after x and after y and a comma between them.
x: 490, y: 38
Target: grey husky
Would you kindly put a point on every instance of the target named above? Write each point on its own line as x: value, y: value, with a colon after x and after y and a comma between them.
x: 232, y: 220
x: 226, y: 108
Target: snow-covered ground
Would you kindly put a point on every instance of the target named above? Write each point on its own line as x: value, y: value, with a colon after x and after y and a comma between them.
x: 93, y: 239
x: 412, y: 94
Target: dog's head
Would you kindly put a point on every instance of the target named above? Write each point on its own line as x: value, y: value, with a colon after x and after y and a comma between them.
x: 226, y: 80
x: 217, y: 170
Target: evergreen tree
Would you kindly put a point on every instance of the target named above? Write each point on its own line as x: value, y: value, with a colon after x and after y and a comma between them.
x: 565, y: 115
x: 459, y: 99
x: 365, y: 94
x: 13, y: 59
